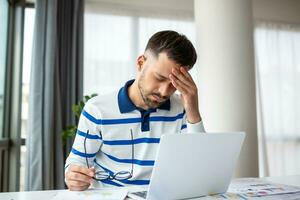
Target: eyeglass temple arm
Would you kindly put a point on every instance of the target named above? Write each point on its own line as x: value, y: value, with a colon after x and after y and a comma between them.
x: 132, y: 148
x: 86, y: 159
x: 84, y: 142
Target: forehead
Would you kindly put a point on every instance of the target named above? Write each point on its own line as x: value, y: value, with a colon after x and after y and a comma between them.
x: 163, y: 65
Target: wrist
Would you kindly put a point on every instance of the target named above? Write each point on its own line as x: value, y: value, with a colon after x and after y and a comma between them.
x: 192, y: 119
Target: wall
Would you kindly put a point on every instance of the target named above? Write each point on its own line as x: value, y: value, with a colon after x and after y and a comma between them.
x: 287, y: 11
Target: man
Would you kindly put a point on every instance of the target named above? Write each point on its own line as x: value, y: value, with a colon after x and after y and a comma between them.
x: 118, y: 133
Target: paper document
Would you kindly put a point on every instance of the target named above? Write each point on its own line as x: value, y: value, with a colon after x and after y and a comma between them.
x: 229, y: 196
x: 293, y: 196
x: 252, y: 187
x: 255, y: 189
x: 94, y: 194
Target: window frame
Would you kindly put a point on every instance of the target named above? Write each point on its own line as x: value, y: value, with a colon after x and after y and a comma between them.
x: 11, y: 141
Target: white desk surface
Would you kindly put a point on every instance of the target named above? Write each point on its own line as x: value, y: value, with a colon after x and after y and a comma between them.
x: 49, y: 194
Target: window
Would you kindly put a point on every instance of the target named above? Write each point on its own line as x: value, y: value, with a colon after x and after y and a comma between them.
x: 113, y: 40
x: 278, y: 73
x: 3, y: 54
x: 26, y: 66
x: 16, y: 33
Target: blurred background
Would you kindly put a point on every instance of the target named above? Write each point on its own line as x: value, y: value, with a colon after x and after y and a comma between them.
x: 52, y: 53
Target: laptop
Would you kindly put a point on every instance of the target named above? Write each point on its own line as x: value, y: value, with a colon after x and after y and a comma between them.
x: 193, y: 165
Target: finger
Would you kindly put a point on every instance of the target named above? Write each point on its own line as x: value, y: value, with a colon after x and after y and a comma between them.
x: 189, y: 88
x: 78, y: 177
x: 186, y: 74
x: 178, y: 85
x: 78, y: 188
x: 180, y: 76
x: 87, y: 171
x: 73, y: 183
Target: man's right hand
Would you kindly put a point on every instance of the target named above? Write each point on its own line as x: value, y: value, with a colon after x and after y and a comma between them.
x: 79, y: 178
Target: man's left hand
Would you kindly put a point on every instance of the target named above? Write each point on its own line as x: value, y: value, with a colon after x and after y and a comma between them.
x: 185, y: 84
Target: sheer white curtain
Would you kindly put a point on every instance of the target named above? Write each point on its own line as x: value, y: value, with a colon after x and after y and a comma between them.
x: 115, y: 37
x: 278, y: 77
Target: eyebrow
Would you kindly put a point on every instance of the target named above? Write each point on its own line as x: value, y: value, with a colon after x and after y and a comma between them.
x: 161, y: 76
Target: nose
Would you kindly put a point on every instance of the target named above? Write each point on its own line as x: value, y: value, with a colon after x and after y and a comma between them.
x: 166, y: 90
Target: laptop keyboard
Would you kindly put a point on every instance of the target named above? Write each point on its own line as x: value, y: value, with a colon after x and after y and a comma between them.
x: 142, y: 194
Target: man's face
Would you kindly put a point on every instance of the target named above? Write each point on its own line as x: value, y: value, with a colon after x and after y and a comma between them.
x: 153, y: 79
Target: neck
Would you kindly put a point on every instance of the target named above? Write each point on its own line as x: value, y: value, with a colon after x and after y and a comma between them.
x: 135, y: 95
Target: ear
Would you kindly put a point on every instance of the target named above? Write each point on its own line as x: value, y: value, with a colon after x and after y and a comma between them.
x: 140, y: 62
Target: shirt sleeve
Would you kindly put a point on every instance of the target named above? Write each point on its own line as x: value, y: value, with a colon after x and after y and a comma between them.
x: 88, y: 130
x: 187, y: 127
x: 195, y: 128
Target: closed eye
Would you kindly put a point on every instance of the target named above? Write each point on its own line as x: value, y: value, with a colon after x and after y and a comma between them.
x: 160, y: 77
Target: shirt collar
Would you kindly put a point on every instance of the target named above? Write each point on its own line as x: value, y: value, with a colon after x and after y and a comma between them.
x: 126, y: 105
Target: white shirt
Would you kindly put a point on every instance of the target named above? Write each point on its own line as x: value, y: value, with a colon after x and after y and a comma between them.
x: 109, y: 120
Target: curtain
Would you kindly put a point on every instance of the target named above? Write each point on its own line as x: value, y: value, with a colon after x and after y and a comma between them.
x: 56, y: 84
x: 115, y: 37
x: 278, y: 85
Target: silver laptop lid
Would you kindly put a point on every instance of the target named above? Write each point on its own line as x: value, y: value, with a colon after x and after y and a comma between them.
x: 193, y: 165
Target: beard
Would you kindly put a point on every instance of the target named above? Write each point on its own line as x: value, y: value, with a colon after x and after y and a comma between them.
x: 146, y: 94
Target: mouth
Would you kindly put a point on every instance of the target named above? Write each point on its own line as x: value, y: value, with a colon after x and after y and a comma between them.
x: 157, y: 99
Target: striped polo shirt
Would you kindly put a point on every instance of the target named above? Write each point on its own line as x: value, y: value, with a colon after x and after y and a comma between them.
x: 114, y: 116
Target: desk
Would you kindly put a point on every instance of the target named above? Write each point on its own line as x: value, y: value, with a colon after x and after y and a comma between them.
x: 49, y: 194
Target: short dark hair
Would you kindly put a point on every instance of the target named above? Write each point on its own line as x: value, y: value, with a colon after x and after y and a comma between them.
x: 177, y: 47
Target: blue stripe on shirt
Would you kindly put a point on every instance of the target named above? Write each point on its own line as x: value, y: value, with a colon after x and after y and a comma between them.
x: 89, y: 136
x: 134, y: 161
x: 130, y: 120
x: 136, y: 182
x: 85, y: 155
x: 183, y: 126
x: 166, y: 118
x: 110, y: 121
x: 120, y: 142
x: 133, y: 182
x: 129, y: 142
x: 120, y: 121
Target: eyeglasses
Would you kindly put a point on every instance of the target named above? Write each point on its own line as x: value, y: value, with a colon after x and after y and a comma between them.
x: 104, y: 175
